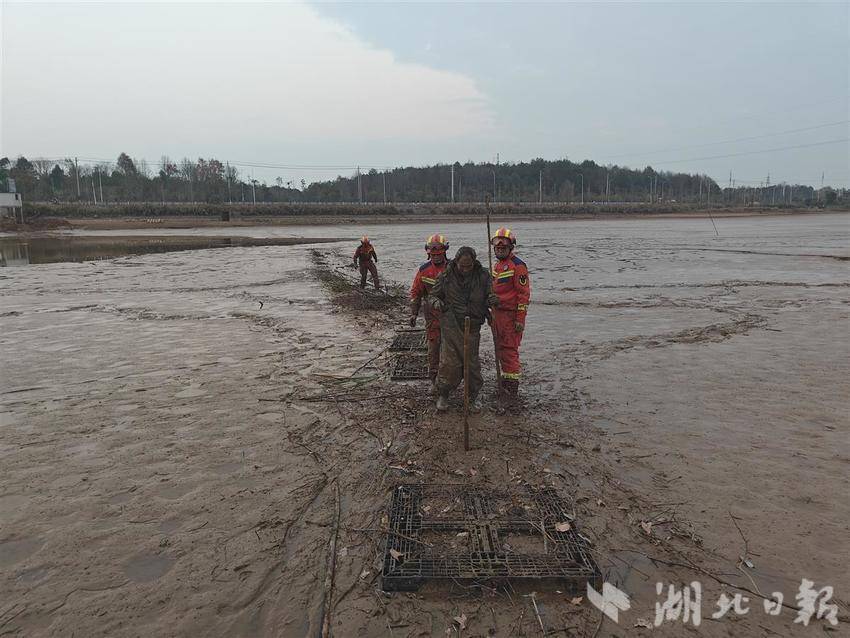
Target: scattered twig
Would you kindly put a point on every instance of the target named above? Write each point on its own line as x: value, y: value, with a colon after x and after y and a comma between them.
x: 331, y: 572
x: 537, y: 613
x: 389, y: 533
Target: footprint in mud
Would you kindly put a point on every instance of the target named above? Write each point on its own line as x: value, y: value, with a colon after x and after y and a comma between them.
x: 127, y: 407
x: 173, y: 492
x: 33, y: 575
x: 190, y: 392
x: 12, y: 552
x: 171, y: 525
x: 145, y: 568
x: 270, y: 417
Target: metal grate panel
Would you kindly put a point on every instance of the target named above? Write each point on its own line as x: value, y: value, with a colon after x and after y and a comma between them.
x: 409, y: 340
x: 408, y: 367
x: 472, y: 534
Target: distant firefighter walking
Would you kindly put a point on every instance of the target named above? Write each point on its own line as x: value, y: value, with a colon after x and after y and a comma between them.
x: 365, y: 257
x: 512, y: 286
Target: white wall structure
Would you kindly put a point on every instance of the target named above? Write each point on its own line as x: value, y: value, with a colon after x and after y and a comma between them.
x: 11, y: 205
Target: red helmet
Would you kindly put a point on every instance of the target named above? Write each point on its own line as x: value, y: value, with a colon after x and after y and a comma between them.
x: 503, y: 235
x: 436, y: 243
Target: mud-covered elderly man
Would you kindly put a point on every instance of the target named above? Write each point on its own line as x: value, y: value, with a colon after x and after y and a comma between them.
x: 463, y: 289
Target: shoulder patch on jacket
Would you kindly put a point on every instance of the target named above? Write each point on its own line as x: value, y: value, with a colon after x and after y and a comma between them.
x: 517, y: 260
x: 424, y: 266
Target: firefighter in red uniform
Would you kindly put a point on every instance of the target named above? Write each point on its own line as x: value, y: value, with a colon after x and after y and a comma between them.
x: 365, y: 257
x: 426, y: 276
x: 512, y: 285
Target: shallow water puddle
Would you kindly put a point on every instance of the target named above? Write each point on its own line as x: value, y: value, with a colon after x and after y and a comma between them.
x: 25, y: 251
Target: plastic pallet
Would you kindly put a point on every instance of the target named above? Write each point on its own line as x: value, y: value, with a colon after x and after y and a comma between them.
x: 409, y: 340
x: 409, y: 367
x: 422, y: 515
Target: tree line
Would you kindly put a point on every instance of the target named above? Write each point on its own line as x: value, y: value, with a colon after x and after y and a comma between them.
x: 539, y: 180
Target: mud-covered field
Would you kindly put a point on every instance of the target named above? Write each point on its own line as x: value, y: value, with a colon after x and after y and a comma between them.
x: 178, y: 432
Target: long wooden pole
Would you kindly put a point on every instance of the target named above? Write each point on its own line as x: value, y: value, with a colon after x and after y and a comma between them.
x: 493, y: 322
x: 466, y: 384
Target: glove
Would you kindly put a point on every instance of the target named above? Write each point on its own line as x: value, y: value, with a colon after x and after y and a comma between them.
x: 518, y: 326
x: 412, y: 321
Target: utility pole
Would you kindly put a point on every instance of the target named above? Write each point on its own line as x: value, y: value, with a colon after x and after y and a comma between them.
x: 229, y: 195
x: 384, y: 179
x: 708, y: 200
x: 540, y: 196
x: 100, y: 181
x: 495, y: 199
x: 253, y: 188
x: 359, y: 187
x: 453, y: 183
x: 93, y: 191
x: 700, y: 190
x: 77, y: 173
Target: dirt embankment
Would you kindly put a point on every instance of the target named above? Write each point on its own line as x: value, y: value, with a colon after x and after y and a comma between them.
x: 151, y: 215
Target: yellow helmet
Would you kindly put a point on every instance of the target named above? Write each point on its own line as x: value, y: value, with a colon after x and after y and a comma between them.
x: 436, y: 243
x: 503, y: 234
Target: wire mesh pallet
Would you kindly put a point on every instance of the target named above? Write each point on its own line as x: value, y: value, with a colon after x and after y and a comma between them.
x: 469, y: 534
x: 408, y: 341
x: 410, y: 366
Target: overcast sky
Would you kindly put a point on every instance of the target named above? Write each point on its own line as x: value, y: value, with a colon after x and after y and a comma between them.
x: 319, y: 88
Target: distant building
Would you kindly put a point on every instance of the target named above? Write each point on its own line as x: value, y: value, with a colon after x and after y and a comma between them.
x: 11, y: 205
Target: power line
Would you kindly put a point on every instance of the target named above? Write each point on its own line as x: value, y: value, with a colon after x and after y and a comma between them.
x: 767, y: 150
x: 739, y: 139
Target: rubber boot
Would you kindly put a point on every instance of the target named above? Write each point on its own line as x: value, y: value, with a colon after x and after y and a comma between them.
x: 475, y: 405
x: 443, y: 402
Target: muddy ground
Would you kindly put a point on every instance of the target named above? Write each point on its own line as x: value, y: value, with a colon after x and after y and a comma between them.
x: 178, y: 430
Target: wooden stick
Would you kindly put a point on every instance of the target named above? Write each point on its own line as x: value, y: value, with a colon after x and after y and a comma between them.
x: 331, y: 573
x: 493, y: 323
x: 466, y: 384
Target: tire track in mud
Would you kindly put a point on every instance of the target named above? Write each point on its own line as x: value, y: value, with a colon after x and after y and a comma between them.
x: 729, y: 283
x: 759, y: 252
x: 713, y: 333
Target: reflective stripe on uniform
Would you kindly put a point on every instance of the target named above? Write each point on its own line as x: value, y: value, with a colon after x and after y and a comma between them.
x: 511, y: 375
x: 428, y: 280
x: 522, y: 306
x: 504, y: 275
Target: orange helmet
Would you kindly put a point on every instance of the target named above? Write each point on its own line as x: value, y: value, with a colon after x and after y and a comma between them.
x: 436, y: 243
x: 503, y: 235
x: 364, y: 240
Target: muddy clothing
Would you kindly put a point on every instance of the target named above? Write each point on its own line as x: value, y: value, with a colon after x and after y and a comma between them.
x: 423, y: 282
x: 366, y: 257
x: 461, y: 296
x: 512, y: 285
